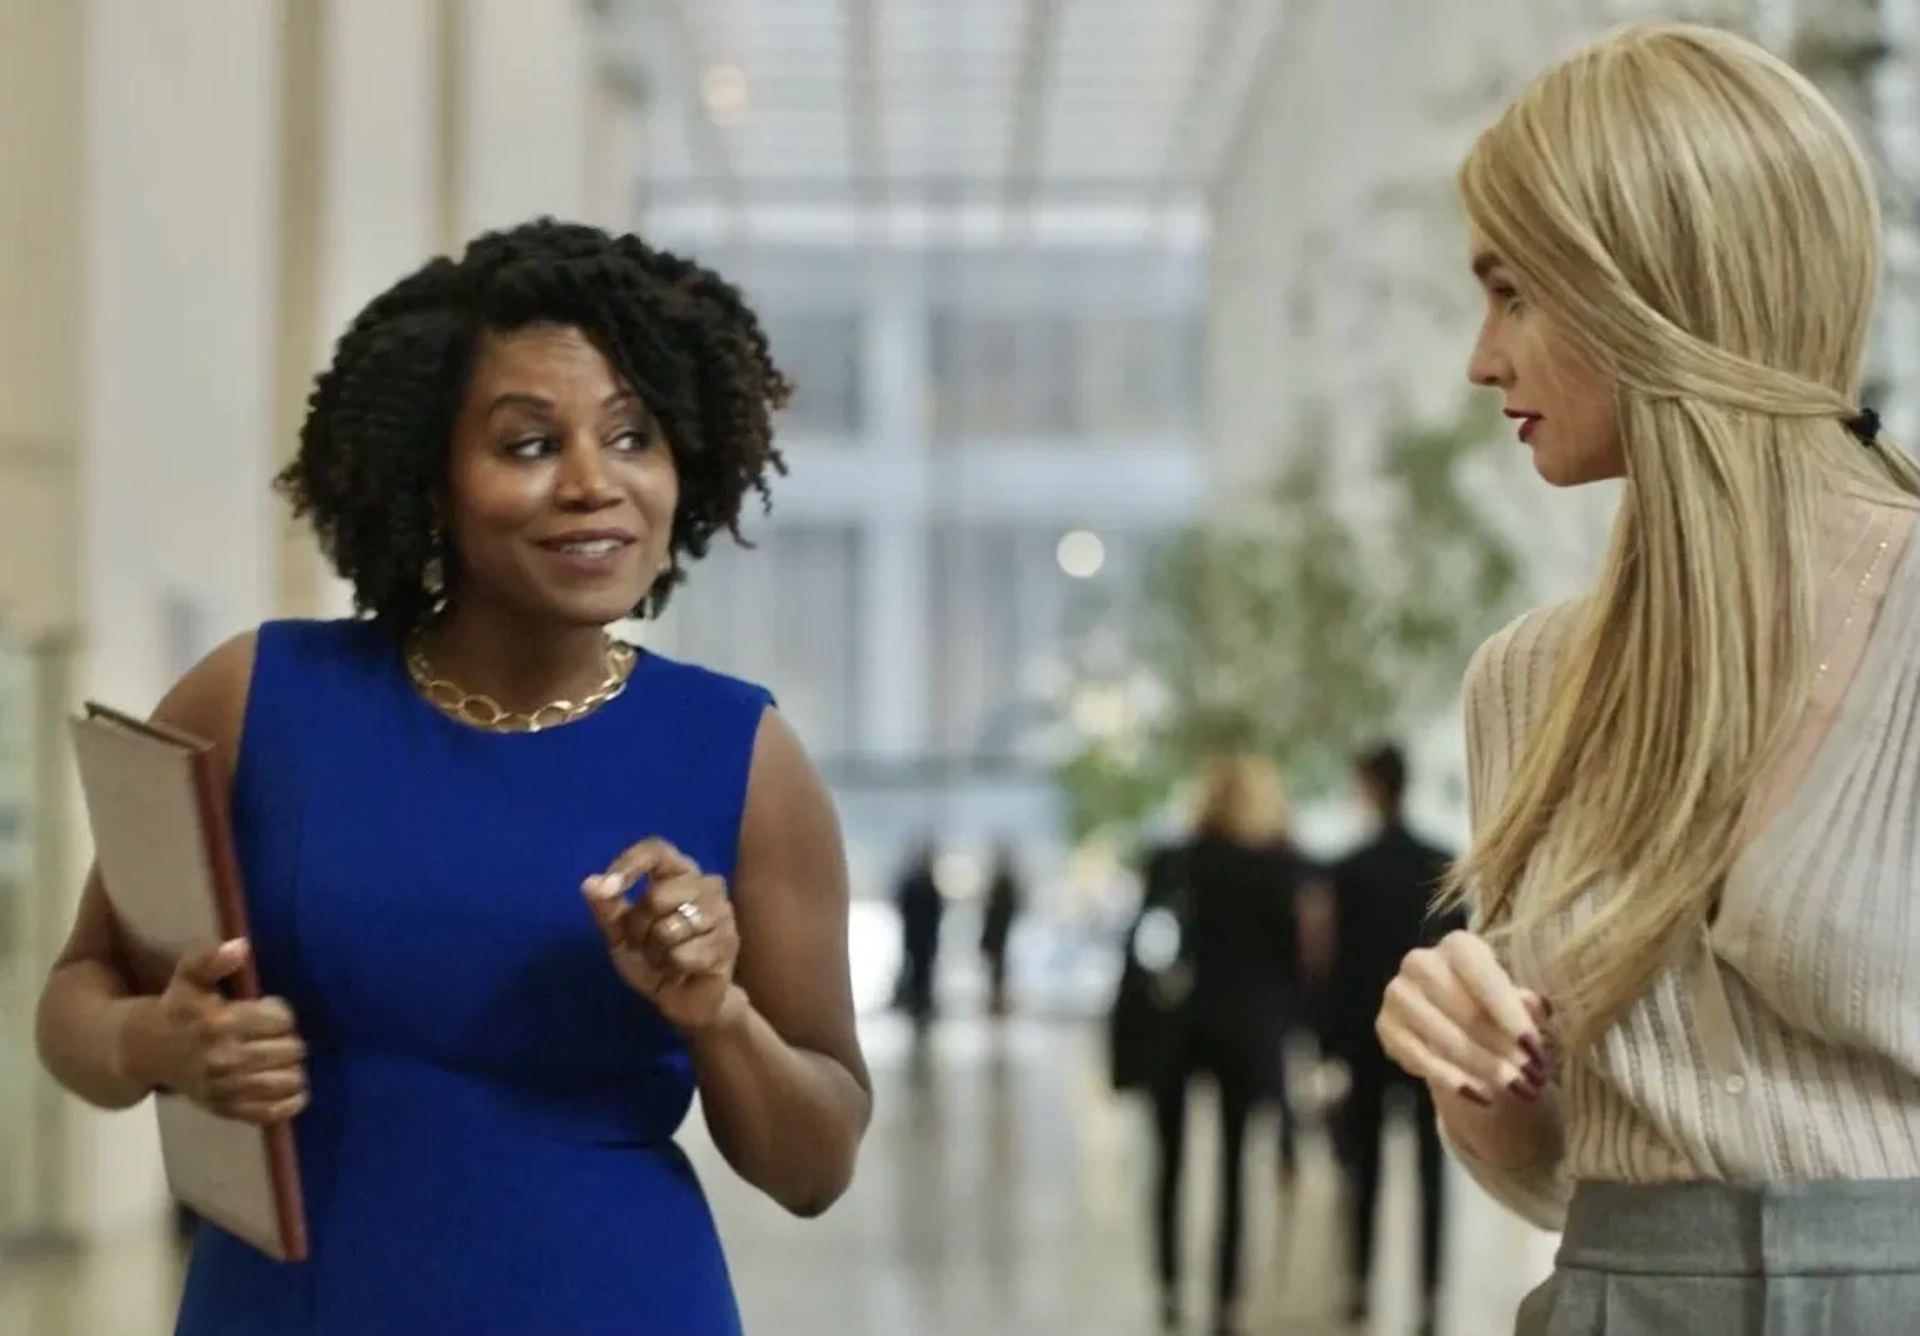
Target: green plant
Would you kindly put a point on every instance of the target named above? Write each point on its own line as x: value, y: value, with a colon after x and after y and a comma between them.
x: 1295, y: 628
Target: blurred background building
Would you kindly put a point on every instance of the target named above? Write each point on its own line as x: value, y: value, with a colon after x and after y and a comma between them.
x: 1058, y: 281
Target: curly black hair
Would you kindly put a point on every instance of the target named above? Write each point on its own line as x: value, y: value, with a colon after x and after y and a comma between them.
x: 371, y: 473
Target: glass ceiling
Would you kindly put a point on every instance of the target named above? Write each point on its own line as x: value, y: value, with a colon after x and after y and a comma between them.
x: 939, y: 103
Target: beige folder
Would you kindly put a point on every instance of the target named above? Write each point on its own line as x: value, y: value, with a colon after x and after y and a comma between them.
x: 156, y: 803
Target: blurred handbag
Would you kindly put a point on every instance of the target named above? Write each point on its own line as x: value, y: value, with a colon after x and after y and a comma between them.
x: 1149, y: 1026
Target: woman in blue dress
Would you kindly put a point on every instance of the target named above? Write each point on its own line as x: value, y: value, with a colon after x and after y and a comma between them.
x: 517, y: 889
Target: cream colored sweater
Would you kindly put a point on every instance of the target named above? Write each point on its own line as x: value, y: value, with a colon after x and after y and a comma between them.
x: 1791, y: 1048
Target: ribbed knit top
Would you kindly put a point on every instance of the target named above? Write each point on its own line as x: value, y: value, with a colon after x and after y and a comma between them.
x: 1787, y: 1046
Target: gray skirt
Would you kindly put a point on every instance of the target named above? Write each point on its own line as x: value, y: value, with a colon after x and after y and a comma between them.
x: 1718, y: 1259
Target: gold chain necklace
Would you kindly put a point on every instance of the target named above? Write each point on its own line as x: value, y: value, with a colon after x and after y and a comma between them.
x: 484, y: 712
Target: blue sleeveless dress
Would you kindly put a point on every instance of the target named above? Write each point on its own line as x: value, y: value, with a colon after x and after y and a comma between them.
x: 489, y: 1148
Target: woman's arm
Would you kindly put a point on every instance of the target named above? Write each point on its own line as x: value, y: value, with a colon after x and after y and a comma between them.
x: 88, y: 1027
x: 80, y: 1024
x: 782, y: 1080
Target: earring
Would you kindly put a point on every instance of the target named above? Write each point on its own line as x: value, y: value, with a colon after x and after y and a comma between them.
x: 433, y: 576
x: 650, y: 601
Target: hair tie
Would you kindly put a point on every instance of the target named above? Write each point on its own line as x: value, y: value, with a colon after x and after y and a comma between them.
x: 1866, y: 425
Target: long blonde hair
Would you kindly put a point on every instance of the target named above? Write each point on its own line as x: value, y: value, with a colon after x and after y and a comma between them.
x: 1701, y: 223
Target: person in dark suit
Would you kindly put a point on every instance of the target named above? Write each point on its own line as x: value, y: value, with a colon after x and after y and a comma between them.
x: 922, y: 909
x: 997, y: 917
x: 1253, y: 916
x: 1382, y: 893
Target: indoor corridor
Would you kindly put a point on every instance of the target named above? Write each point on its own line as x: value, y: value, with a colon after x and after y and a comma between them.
x: 1002, y: 1191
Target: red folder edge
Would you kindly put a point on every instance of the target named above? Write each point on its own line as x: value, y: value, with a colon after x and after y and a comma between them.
x: 230, y: 905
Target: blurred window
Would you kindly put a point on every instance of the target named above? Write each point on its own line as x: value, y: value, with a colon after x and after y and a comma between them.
x: 1089, y: 374
x: 786, y: 614
x: 820, y: 352
x: 1009, y: 624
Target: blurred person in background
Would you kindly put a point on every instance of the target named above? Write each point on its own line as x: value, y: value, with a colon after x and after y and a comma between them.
x: 1251, y: 920
x: 998, y: 913
x: 518, y: 888
x: 1383, y: 895
x: 923, y: 912
x: 1685, y: 1028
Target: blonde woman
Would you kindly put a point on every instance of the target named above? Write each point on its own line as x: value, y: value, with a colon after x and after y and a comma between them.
x: 1686, y: 1027
x: 1236, y: 887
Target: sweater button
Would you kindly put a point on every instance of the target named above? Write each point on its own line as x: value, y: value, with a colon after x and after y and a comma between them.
x: 1736, y: 1085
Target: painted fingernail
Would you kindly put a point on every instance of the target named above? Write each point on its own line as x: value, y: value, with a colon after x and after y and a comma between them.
x: 1526, y: 1073
x: 1521, y: 1089
x: 1536, y: 1052
x: 1473, y: 1096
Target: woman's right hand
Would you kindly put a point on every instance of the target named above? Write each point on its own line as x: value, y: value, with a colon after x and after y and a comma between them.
x: 1455, y: 1019
x: 240, y: 1060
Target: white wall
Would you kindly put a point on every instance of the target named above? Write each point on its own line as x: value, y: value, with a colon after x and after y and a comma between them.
x: 40, y: 53
x: 181, y: 116
x: 380, y: 216
x: 527, y: 93
x: 180, y: 255
x: 39, y: 307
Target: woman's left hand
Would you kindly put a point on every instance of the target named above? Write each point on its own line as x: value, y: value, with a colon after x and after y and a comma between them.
x: 676, y: 943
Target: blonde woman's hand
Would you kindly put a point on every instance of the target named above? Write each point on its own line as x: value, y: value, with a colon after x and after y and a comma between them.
x: 1454, y: 1018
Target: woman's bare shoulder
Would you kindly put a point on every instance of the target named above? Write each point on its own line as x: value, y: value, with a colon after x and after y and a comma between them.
x: 210, y: 699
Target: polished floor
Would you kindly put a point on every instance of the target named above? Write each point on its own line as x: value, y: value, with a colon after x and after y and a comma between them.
x: 1001, y: 1191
